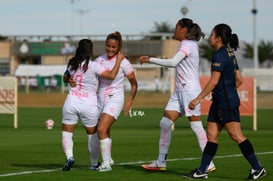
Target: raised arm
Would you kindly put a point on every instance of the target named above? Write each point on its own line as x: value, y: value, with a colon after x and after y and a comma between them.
x: 113, y: 73
x: 163, y: 62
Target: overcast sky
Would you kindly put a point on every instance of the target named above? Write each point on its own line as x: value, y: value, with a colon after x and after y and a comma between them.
x: 61, y: 17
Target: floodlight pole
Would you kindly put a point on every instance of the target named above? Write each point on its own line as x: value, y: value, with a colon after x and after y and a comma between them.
x: 82, y: 12
x: 72, y: 2
x: 255, y: 46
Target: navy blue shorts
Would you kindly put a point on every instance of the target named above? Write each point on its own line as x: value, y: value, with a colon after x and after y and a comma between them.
x: 223, y: 115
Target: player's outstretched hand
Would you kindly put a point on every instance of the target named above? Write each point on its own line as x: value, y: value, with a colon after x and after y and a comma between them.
x: 144, y: 59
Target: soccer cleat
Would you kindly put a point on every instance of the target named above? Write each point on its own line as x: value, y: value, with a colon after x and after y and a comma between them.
x: 68, y: 164
x: 155, y: 166
x: 212, y: 169
x: 94, y: 167
x: 256, y: 174
x: 104, y: 168
x: 112, y: 162
x: 195, y: 174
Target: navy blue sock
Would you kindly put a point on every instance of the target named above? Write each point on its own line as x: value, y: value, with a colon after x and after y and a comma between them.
x: 208, y: 154
x: 248, y: 152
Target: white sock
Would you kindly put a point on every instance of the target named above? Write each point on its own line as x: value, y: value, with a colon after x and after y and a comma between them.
x: 200, y: 133
x: 105, y: 147
x: 67, y: 143
x: 165, y: 138
x: 110, y: 148
x: 93, y: 147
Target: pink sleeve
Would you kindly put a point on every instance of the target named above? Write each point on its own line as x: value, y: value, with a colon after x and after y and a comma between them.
x: 184, y: 48
x: 127, y: 67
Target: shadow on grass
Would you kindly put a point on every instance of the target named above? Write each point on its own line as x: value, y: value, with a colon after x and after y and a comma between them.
x: 138, y: 168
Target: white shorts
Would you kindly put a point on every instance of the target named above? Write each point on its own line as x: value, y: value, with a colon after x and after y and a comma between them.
x: 112, y: 106
x: 179, y: 101
x: 72, y: 112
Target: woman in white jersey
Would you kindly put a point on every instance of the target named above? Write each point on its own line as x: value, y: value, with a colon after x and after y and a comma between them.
x: 111, y: 96
x: 187, y: 87
x: 81, y: 102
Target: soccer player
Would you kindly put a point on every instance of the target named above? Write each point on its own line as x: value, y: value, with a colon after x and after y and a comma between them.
x: 81, y: 102
x: 111, y: 96
x: 224, y: 110
x: 187, y: 86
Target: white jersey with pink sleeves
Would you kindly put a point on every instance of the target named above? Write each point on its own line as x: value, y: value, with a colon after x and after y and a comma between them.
x: 86, y: 84
x: 108, y: 88
x: 81, y: 102
x: 187, y: 77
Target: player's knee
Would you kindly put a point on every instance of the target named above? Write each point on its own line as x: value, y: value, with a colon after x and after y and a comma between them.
x: 212, y: 137
x: 165, y: 123
x: 90, y: 130
x: 237, y: 138
x: 100, y: 130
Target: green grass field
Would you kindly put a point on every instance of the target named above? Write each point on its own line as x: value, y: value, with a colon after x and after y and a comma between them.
x: 31, y: 152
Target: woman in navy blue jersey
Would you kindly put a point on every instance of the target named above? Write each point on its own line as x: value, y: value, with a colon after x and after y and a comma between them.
x: 224, y: 110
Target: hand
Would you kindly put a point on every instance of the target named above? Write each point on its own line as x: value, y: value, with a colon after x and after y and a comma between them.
x: 193, y: 103
x: 120, y: 56
x: 127, y: 107
x: 144, y: 59
x: 72, y: 83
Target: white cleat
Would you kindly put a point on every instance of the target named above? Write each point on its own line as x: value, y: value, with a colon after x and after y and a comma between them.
x: 104, y: 168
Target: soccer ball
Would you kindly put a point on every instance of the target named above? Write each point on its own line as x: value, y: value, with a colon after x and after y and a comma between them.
x: 49, y: 123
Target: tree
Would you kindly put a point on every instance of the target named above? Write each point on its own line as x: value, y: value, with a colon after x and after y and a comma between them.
x: 265, y: 50
x: 205, y: 50
x: 161, y: 27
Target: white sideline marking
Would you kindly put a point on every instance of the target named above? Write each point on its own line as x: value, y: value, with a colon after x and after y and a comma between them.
x: 179, y: 159
x: 126, y: 163
x: 28, y: 172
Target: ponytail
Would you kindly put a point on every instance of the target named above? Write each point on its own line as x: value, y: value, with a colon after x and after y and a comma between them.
x: 225, y: 32
x: 195, y: 32
x: 234, y: 42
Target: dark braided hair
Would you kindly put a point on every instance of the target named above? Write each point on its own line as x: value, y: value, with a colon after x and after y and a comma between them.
x: 84, y: 52
x: 228, y: 38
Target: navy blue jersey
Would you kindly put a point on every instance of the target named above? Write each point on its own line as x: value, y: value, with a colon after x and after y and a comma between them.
x: 225, y: 94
